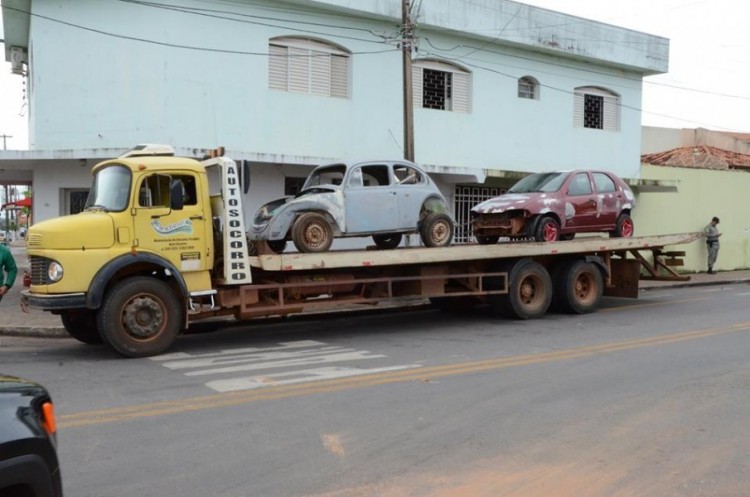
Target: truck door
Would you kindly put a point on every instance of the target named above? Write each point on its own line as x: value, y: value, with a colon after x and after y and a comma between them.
x: 179, y: 236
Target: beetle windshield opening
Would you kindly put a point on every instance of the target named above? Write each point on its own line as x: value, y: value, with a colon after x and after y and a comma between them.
x: 328, y: 175
x: 542, y: 182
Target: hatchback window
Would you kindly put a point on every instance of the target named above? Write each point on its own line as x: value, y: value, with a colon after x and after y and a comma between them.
x: 580, y: 185
x: 542, y: 182
x: 604, y: 184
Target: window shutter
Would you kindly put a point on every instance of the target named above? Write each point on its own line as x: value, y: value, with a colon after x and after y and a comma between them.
x: 278, y: 68
x: 578, y: 114
x: 416, y: 84
x: 320, y: 73
x: 610, y: 113
x: 461, y: 90
x: 299, y: 70
x: 339, y: 76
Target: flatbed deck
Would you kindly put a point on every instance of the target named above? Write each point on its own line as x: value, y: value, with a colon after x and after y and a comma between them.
x: 422, y: 255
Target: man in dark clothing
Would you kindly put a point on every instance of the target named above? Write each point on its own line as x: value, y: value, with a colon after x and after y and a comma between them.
x: 8, y: 270
x: 712, y: 242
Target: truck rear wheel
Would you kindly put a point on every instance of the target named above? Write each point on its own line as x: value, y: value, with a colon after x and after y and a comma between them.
x: 140, y: 316
x: 578, y: 287
x: 81, y: 325
x: 529, y: 291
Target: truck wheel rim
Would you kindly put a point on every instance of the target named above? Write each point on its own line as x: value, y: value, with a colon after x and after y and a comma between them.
x: 584, y: 288
x: 143, y: 317
x: 529, y: 291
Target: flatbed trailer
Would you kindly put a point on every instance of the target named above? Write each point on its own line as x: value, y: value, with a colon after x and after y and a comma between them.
x: 520, y: 280
x: 157, y: 249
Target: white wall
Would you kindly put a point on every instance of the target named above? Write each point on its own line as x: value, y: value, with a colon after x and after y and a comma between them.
x: 90, y: 91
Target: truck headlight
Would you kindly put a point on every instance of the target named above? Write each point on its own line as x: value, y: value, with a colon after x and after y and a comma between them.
x: 55, y: 271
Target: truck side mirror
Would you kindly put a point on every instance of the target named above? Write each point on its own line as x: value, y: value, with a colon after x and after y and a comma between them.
x: 176, y: 195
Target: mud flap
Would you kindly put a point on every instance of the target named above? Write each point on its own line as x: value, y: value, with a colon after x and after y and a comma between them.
x: 625, y: 274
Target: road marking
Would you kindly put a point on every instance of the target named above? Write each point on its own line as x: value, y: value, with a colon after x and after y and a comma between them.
x: 181, y: 406
x: 743, y: 294
x: 284, y: 355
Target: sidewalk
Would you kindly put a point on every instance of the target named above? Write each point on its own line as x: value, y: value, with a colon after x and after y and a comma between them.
x: 14, y: 322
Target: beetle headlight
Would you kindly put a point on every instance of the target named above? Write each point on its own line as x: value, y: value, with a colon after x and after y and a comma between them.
x: 55, y: 271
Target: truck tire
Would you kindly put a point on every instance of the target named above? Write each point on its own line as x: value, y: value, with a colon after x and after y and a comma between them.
x: 140, y: 316
x: 436, y: 230
x: 312, y: 233
x: 578, y: 287
x: 387, y: 242
x: 81, y: 325
x: 529, y: 291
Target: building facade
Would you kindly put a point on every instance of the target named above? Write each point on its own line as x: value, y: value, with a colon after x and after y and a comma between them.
x: 499, y: 88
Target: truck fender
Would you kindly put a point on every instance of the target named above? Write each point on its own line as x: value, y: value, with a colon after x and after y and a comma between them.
x: 95, y: 295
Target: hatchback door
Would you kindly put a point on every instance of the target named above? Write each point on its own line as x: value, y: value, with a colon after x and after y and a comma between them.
x: 580, y: 195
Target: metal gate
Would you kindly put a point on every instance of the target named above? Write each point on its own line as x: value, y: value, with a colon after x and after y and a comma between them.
x: 466, y: 197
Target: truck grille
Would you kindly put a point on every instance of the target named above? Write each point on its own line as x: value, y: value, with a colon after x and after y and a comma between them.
x: 34, y: 240
x: 39, y: 267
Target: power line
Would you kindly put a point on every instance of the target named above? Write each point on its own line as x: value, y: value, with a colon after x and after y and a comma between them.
x: 188, y: 47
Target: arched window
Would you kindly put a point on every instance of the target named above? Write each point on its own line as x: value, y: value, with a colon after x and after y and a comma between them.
x: 303, y: 65
x: 440, y: 85
x: 528, y: 87
x: 596, y: 108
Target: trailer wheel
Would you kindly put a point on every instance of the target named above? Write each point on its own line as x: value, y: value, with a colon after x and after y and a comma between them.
x: 454, y: 304
x: 81, y: 325
x: 437, y: 230
x: 389, y: 241
x: 624, y: 227
x: 487, y: 239
x: 529, y: 291
x: 578, y: 287
x: 312, y: 233
x: 547, y: 230
x: 140, y: 316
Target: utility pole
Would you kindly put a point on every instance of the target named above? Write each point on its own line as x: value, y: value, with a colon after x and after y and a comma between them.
x: 5, y: 137
x: 407, y: 44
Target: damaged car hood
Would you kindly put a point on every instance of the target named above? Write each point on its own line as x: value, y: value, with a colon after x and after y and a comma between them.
x: 535, y: 202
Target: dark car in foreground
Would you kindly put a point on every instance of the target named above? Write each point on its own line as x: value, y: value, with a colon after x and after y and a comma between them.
x: 555, y: 206
x: 28, y: 442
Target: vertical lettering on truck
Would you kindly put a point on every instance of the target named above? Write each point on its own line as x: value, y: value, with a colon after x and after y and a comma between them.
x: 236, y: 269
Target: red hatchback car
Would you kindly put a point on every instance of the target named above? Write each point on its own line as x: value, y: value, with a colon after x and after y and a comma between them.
x: 555, y: 206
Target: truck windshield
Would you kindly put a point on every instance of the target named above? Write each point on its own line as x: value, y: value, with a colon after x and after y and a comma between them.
x: 542, y: 182
x: 110, y: 190
x: 328, y: 175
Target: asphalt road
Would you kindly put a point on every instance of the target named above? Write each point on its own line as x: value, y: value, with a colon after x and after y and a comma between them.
x: 642, y: 398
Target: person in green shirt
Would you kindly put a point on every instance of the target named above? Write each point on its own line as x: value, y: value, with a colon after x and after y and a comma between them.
x: 8, y: 270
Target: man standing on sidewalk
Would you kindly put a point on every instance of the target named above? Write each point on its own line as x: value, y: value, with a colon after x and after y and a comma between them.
x: 7, y: 270
x: 712, y: 242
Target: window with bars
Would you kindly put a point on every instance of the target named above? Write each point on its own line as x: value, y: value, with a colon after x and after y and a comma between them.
x: 302, y: 65
x: 596, y: 108
x: 442, y: 86
x: 464, y: 198
x: 528, y: 87
x: 293, y: 185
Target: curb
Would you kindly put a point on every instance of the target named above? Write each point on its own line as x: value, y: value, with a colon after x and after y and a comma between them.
x: 34, y: 332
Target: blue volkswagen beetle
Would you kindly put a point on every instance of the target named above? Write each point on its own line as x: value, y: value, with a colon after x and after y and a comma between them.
x: 382, y: 199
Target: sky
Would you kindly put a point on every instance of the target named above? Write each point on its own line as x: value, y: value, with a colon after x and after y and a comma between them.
x: 708, y: 83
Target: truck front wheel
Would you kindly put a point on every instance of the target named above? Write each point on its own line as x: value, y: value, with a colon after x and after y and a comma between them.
x: 140, y: 316
x: 81, y: 325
